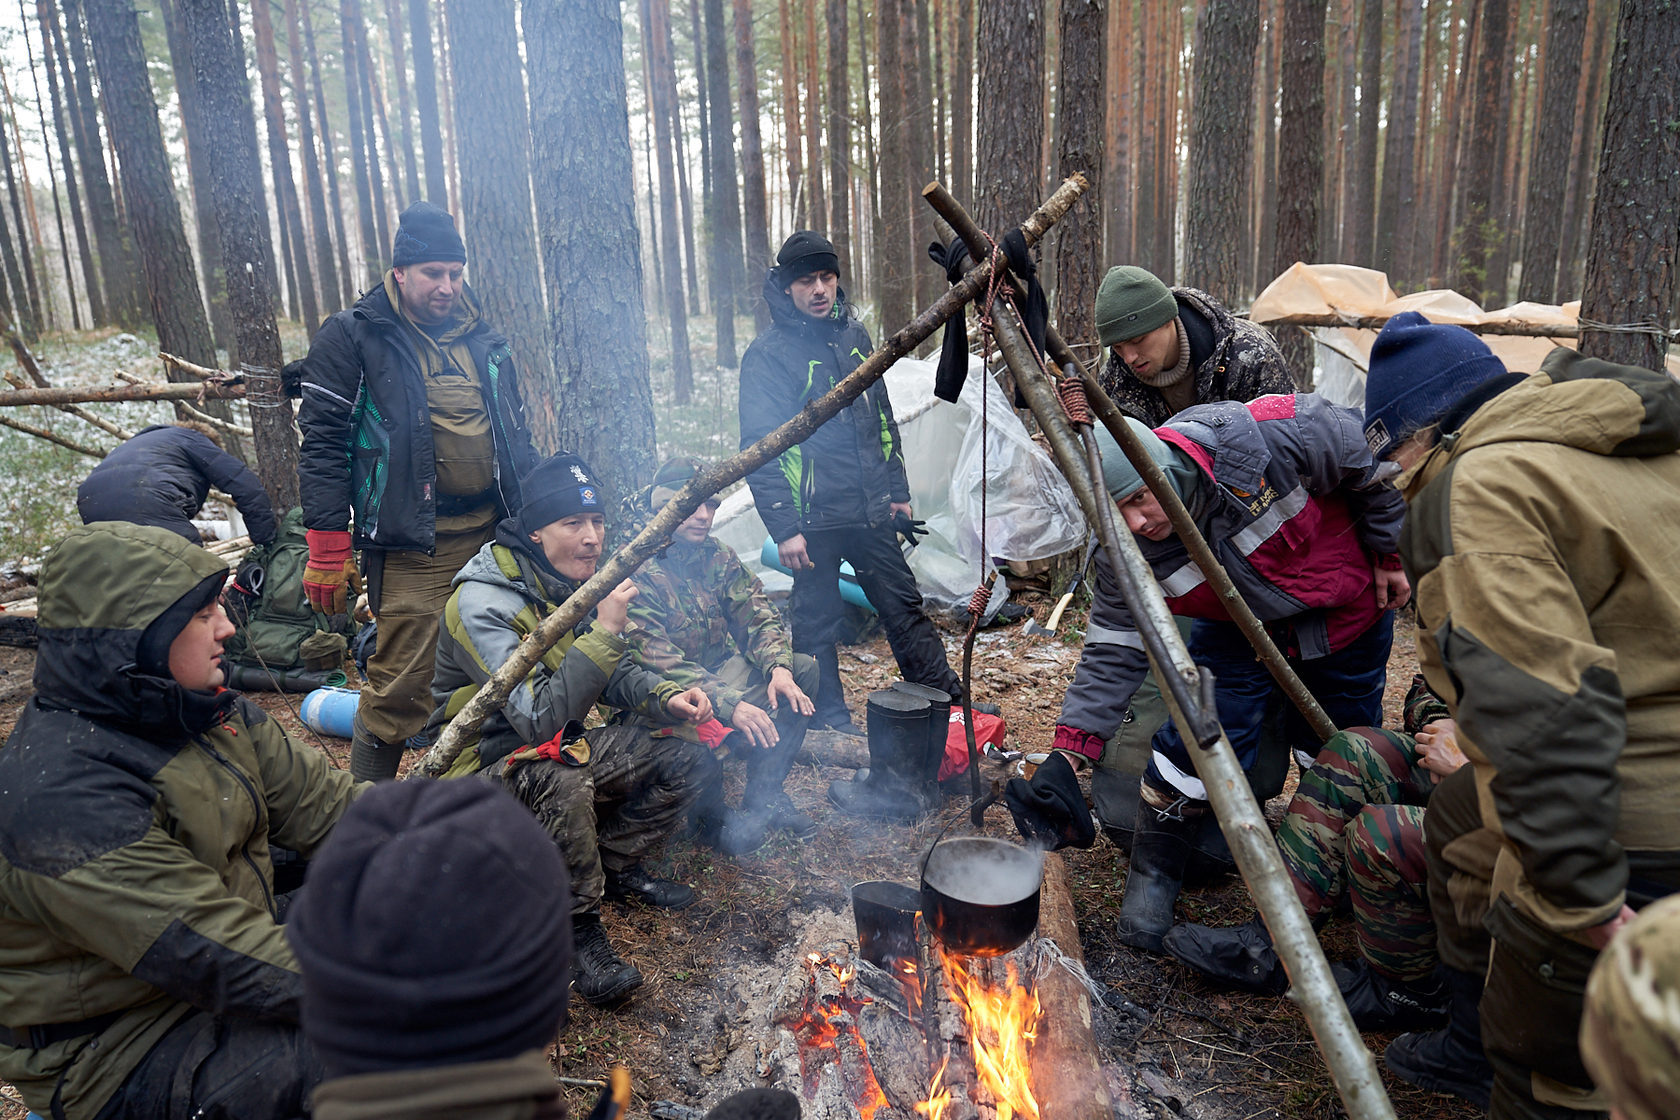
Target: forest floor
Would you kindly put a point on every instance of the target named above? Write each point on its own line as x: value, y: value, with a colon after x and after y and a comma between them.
x: 1171, y: 1045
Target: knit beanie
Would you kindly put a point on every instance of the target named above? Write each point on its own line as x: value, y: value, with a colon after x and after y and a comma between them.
x: 426, y: 232
x: 434, y: 929
x: 1630, y: 1026
x: 673, y: 475
x: 1130, y: 302
x: 559, y: 486
x: 804, y: 253
x: 1418, y: 371
x: 1122, y: 480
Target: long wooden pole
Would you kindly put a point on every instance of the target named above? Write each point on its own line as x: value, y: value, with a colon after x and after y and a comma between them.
x: 624, y: 562
x: 1184, y: 525
x: 154, y: 391
x: 1521, y: 327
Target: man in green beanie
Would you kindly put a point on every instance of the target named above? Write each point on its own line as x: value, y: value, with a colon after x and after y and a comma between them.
x: 1170, y: 348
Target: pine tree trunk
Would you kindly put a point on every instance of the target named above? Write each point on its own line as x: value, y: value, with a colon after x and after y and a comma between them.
x: 1583, y: 165
x: 399, y: 69
x: 237, y: 188
x: 349, y: 285
x: 116, y: 257
x: 325, y: 265
x: 373, y: 126
x: 1475, y: 236
x: 868, y: 243
x: 1451, y: 184
x: 20, y: 261
x: 52, y: 173
x: 1548, y: 175
x: 1011, y: 134
x: 1117, y: 176
x: 1265, y: 247
x: 895, y: 284
x: 962, y: 104
x: 426, y: 100
x: 685, y: 196
x: 1636, y: 215
x: 1300, y: 159
x: 657, y: 16
x: 754, y: 203
x: 813, y: 126
x: 280, y: 161
x: 496, y: 208
x: 938, y: 26
x: 1357, y: 224
x: 149, y: 189
x: 587, y: 225
x: 1427, y: 149
x: 792, y: 141
x: 1510, y: 132
x: 839, y: 137
x: 1215, y: 227
x: 1165, y: 222
x: 925, y: 282
x: 1080, y: 112
x: 372, y: 266
x: 53, y: 59
x: 728, y: 278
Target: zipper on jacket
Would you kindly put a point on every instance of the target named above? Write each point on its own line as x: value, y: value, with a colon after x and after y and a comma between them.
x: 256, y: 803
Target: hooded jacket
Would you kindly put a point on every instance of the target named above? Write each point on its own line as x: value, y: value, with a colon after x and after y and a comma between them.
x: 135, y: 823
x: 521, y: 1088
x: 1233, y: 359
x: 848, y: 473
x: 367, y: 449
x: 500, y: 596
x: 1541, y: 538
x: 161, y: 477
x: 1289, y: 501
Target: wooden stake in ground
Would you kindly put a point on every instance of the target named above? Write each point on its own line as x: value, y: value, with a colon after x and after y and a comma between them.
x: 497, y: 689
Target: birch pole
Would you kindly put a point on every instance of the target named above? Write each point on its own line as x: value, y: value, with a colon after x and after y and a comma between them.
x: 624, y: 562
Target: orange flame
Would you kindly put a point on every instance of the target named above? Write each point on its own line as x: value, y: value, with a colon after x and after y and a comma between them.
x: 938, y: 1099
x: 1002, y: 1023
x: 818, y: 1031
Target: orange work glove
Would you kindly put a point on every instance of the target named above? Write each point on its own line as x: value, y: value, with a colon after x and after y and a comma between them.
x: 328, y: 570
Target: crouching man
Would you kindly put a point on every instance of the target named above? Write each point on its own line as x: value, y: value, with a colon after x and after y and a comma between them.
x: 1286, y: 493
x: 702, y: 619
x: 607, y: 795
x: 144, y: 972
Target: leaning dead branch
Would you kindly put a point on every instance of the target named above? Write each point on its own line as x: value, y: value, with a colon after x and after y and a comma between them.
x: 496, y: 690
x: 202, y: 372
x: 52, y: 437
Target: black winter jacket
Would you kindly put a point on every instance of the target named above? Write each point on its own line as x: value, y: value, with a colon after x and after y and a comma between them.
x: 160, y: 477
x: 851, y: 469
x: 367, y: 428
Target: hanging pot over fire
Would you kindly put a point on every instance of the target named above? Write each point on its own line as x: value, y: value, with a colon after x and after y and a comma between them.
x: 980, y: 894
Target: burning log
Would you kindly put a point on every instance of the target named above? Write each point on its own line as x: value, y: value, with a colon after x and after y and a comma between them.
x: 1067, y: 1075
x: 945, y: 1034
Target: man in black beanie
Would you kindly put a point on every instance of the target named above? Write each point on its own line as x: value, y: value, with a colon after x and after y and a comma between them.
x: 842, y: 494
x: 435, y: 942
x: 606, y: 795
x: 414, y: 442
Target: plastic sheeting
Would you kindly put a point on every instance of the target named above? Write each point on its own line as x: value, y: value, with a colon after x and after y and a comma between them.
x: 1345, y: 290
x: 1031, y: 511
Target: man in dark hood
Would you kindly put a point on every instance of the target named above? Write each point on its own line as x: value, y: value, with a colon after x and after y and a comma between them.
x: 607, y: 795
x: 146, y: 974
x: 841, y: 494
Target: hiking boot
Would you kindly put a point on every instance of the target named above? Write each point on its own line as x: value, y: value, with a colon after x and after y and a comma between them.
x: 1380, y: 1004
x: 1160, y: 849
x: 635, y: 885
x: 372, y: 759
x: 599, y: 974
x: 1237, y: 956
x: 781, y: 814
x: 1449, y: 1060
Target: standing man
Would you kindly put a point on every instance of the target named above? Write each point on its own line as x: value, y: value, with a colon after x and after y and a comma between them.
x: 1540, y: 529
x: 1286, y: 493
x: 702, y: 620
x: 842, y: 494
x: 414, y: 437
x: 1170, y: 348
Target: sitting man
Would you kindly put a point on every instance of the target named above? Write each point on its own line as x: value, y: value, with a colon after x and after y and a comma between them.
x: 703, y: 620
x: 607, y: 795
x: 161, y: 475
x: 1286, y: 493
x: 1354, y: 833
x: 416, y: 1003
x: 145, y: 973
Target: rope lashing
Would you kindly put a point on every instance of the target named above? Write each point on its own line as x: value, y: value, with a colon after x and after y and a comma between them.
x: 1078, y: 409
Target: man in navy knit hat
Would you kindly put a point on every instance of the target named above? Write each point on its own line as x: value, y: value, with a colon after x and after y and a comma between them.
x: 414, y: 442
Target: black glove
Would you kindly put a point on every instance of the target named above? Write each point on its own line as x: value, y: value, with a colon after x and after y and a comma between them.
x: 911, y: 530
x: 1050, y: 809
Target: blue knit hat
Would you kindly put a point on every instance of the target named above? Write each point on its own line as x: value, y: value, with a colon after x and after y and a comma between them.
x: 1419, y: 370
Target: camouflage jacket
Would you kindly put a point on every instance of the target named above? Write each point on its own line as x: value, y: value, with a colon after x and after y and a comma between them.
x: 699, y: 607
x: 1239, y: 362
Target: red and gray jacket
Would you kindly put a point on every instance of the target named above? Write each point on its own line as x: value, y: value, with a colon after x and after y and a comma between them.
x: 1291, y: 505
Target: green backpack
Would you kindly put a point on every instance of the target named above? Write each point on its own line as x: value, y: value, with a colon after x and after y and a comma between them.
x: 272, y: 617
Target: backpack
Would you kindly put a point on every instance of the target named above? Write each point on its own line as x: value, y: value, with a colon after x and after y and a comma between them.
x: 271, y: 616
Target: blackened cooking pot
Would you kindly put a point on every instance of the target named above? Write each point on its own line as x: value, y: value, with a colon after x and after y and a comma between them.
x: 980, y: 894
x: 886, y: 921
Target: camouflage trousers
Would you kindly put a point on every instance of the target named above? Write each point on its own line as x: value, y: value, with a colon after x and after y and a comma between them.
x: 606, y: 816
x: 1354, y: 832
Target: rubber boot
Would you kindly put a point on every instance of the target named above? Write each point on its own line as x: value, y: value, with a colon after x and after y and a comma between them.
x: 1449, y: 1060
x: 1160, y: 849
x: 832, y: 712
x: 893, y: 789
x: 599, y: 974
x: 372, y: 759
x: 764, y: 799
